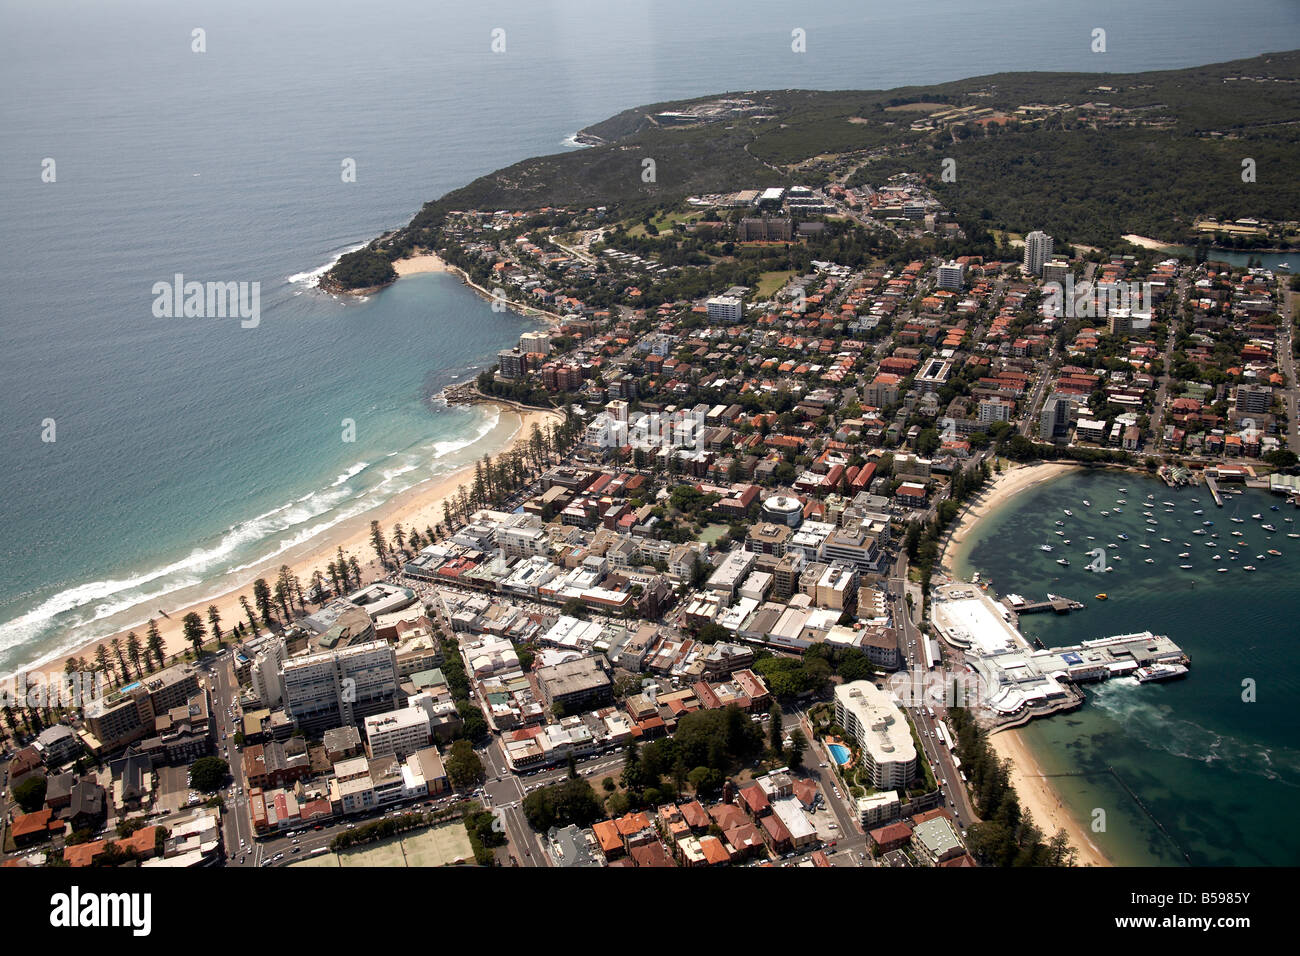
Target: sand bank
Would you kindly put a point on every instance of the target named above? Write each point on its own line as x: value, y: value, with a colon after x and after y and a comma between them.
x: 420, y: 262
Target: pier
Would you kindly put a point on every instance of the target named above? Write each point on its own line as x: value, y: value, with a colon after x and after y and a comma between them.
x: 1214, y: 489
x: 1054, y: 602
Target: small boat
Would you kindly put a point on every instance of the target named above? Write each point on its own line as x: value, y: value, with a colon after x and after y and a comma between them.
x: 1185, y: 567
x: 1186, y: 554
x: 1123, y: 491
x: 1101, y: 596
x: 1231, y: 551
x: 1062, y: 561
x: 1257, y: 517
x: 1119, y: 511
x: 1044, y: 547
x: 1112, y: 545
x: 1145, y: 547
x: 1206, y: 524
x: 1152, y: 521
x: 1249, y: 567
x: 1087, y: 503
x: 1060, y: 524
x: 1199, y: 531
x: 1259, y: 557
x: 1151, y: 560
x: 1122, y: 536
x: 1237, y: 534
x: 1065, y: 541
x: 1158, y: 672
x: 1222, y: 570
x: 1121, y: 501
x: 1167, y: 504
x: 1105, y: 514
x: 1238, y: 520
x: 1268, y: 527
x: 1198, y: 511
x: 1148, y: 514
x: 1068, y: 513
x: 1273, y: 508
x: 1166, y: 540
x: 1275, y: 553
x: 1287, y: 520
x: 1061, y: 533
x: 1292, y: 535
x: 1092, y: 537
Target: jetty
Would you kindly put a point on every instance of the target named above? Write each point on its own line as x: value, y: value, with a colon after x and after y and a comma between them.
x: 1213, y: 485
x: 1054, y: 603
x: 1018, y: 682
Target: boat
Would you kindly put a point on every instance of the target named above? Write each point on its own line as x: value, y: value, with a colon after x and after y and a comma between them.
x: 1112, y: 545
x: 1238, y: 520
x: 1216, y: 557
x: 1274, y: 508
x: 1158, y: 672
x: 1237, y: 534
x: 1060, y: 524
x: 1068, y: 513
x: 1167, y: 504
x: 1185, y: 567
x: 1199, y: 531
x: 1061, y: 533
x: 1199, y: 511
x: 1186, y: 554
x: 1044, y: 547
x: 1119, y: 511
x: 1222, y: 570
x: 1121, y: 501
x: 1101, y: 596
x: 1087, y: 503
x: 1259, y: 557
x: 1268, y: 527
x: 1152, y: 521
x: 1065, y: 541
x: 1249, y: 567
x: 1149, y: 514
x: 1145, y: 547
x: 1257, y: 517
x: 1062, y: 561
x: 1123, y: 491
x: 1275, y: 553
x: 1287, y: 520
x: 1292, y: 535
x: 1122, y: 536
x: 1151, y: 560
x: 1206, y: 524
x: 1166, y: 540
x: 1092, y: 537
x: 1105, y: 514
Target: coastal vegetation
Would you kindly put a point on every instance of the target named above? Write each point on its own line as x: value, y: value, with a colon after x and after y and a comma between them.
x: 1150, y: 153
x: 1005, y: 835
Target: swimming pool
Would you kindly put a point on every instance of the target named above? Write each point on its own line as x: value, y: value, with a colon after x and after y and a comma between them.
x: 841, y: 753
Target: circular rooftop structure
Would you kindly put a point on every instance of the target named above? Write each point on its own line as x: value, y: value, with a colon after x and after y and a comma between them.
x: 784, y: 509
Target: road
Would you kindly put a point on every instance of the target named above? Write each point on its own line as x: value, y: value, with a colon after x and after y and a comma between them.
x: 1286, y: 363
x: 237, y: 822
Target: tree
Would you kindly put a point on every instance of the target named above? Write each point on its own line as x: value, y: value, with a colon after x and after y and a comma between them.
x: 133, y: 652
x: 154, y: 643
x: 262, y: 599
x: 378, y: 543
x: 248, y: 609
x: 120, y: 656
x: 208, y: 774
x: 214, y: 619
x: 464, y: 768
x: 775, y: 730
x: 192, y: 625
x: 30, y: 794
x: 798, y: 744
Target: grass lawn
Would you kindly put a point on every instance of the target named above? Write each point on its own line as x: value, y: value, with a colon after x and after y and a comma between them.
x: 770, y: 282
x: 712, y: 532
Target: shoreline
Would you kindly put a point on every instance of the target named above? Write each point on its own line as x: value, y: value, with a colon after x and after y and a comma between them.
x: 418, y: 507
x: 1040, y: 799
x: 998, y: 492
x: 1034, y: 791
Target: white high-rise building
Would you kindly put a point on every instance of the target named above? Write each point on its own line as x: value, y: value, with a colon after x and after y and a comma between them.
x: 338, y: 688
x: 952, y: 275
x: 265, y: 673
x: 1038, y: 249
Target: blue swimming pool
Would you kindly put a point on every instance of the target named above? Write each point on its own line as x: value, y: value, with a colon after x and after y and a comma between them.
x: 841, y: 753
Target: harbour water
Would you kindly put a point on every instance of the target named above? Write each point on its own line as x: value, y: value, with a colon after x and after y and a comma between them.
x: 189, y: 448
x: 1202, y: 770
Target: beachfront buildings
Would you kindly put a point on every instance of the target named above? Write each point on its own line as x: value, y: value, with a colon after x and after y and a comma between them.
x: 340, y: 687
x: 129, y: 714
x: 881, y: 731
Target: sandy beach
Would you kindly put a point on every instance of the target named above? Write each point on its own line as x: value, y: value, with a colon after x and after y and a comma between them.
x: 997, y: 492
x: 1039, y: 798
x: 1145, y: 242
x: 420, y: 262
x: 419, y: 508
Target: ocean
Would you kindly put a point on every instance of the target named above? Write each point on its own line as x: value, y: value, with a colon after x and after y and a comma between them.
x: 1202, y: 770
x: 187, y: 449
